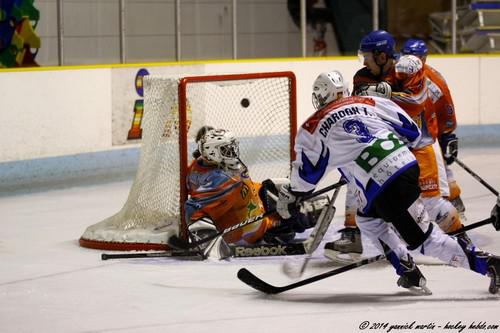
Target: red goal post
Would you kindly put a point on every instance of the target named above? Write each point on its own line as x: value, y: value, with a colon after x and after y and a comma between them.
x: 259, y: 108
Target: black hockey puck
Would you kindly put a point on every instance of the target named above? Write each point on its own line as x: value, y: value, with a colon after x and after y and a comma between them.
x: 245, y: 102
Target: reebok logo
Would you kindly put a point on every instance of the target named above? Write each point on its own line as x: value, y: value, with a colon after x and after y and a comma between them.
x: 259, y: 251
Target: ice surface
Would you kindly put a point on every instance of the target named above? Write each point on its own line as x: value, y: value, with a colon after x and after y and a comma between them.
x: 50, y: 284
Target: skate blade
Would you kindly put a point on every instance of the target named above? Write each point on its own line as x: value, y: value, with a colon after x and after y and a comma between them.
x: 340, y: 258
x: 420, y: 291
x: 493, y: 289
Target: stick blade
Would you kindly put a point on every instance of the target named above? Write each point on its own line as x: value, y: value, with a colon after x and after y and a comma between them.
x: 253, y: 281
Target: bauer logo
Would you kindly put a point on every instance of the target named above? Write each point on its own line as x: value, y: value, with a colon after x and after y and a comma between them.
x: 259, y: 251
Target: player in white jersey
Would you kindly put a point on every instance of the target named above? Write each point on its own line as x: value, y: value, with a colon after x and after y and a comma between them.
x: 368, y: 139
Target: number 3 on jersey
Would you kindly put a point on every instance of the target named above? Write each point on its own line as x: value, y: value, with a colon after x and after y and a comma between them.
x: 359, y: 128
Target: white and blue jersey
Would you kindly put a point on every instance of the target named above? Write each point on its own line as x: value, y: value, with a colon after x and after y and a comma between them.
x: 365, y: 138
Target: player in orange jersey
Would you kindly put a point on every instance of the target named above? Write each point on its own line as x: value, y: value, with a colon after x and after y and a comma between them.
x: 445, y: 113
x: 378, y: 55
x: 407, y: 86
x: 416, y: 96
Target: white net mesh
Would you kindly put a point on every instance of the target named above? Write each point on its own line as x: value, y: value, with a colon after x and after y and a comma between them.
x: 256, y: 110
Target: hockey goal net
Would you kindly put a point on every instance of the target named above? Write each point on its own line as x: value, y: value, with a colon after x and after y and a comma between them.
x: 259, y: 108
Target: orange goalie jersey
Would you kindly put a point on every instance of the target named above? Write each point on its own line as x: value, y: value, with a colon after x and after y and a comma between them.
x: 227, y: 198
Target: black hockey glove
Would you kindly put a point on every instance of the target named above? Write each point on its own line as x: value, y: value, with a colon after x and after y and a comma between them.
x: 495, y: 213
x: 449, y: 147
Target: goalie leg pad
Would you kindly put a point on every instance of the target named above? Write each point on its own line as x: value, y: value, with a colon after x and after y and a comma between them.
x: 215, y: 249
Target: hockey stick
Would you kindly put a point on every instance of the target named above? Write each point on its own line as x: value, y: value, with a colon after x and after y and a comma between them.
x: 253, y: 281
x: 177, y: 243
x: 237, y: 251
x: 491, y: 219
x: 476, y: 176
x: 312, y: 243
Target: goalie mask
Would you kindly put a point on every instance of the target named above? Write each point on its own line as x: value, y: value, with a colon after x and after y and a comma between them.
x: 220, y: 147
x: 328, y: 87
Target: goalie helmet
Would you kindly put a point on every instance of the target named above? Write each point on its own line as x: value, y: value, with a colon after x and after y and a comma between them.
x: 220, y: 147
x: 201, y: 132
x: 328, y: 87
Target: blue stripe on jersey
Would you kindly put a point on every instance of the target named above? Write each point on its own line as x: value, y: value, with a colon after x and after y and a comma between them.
x: 407, y: 129
x: 312, y: 173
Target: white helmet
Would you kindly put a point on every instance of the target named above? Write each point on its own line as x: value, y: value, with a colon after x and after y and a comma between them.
x: 221, y: 147
x: 328, y: 87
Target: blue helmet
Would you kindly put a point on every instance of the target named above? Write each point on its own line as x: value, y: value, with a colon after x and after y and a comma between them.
x: 378, y: 41
x: 415, y: 47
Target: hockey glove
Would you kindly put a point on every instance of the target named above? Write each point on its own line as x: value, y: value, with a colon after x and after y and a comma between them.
x: 449, y: 147
x: 287, y: 206
x: 381, y: 89
x: 495, y: 214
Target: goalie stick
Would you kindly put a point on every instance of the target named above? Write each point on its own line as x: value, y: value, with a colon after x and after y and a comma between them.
x: 253, y: 281
x: 177, y: 243
x: 312, y: 243
x: 163, y: 254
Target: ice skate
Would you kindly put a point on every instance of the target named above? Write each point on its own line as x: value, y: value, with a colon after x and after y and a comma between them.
x: 493, y: 273
x: 484, y: 263
x: 347, y: 249
x: 412, y: 278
